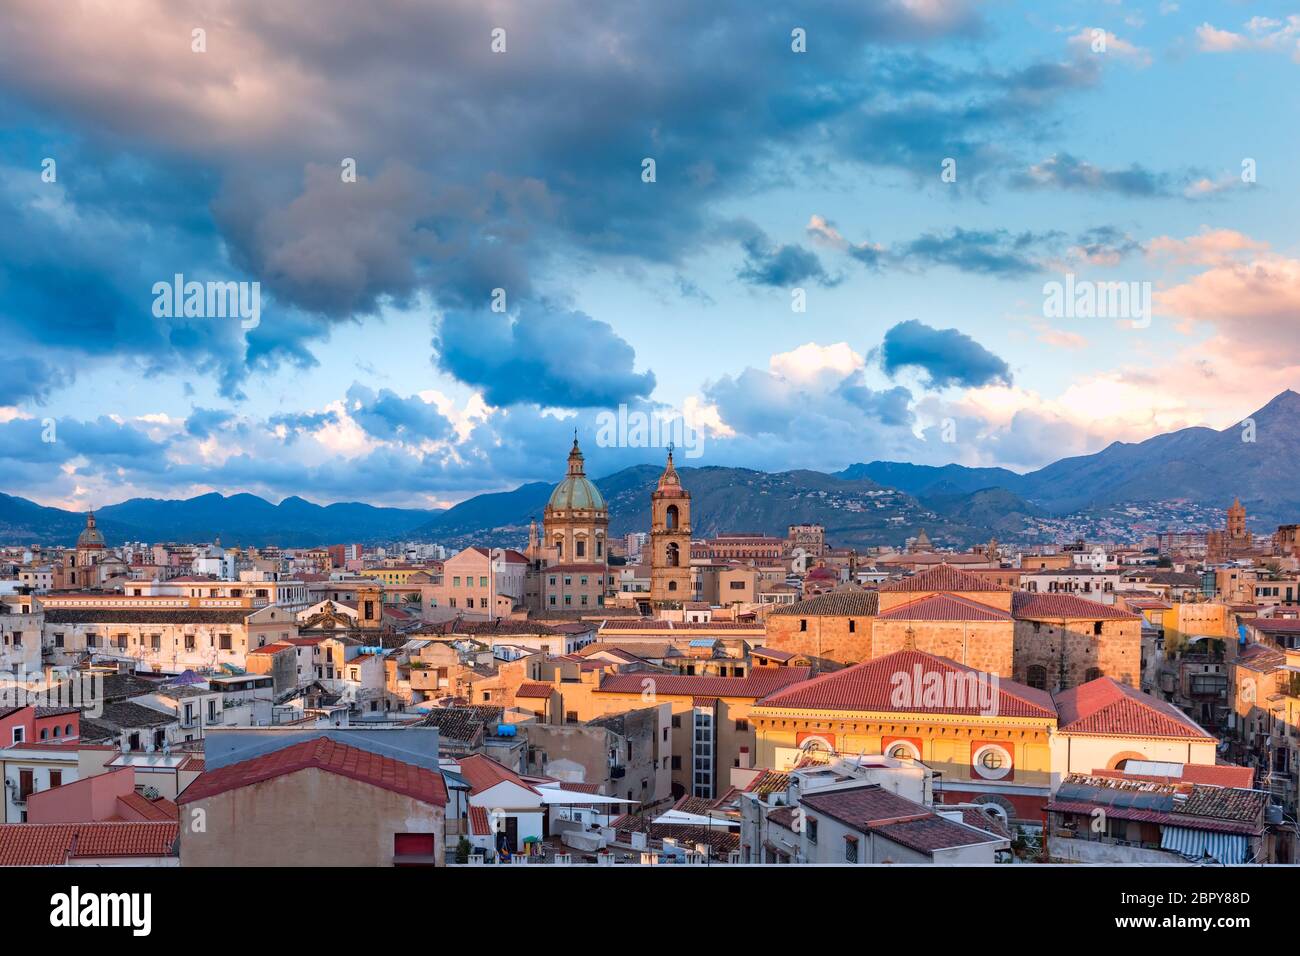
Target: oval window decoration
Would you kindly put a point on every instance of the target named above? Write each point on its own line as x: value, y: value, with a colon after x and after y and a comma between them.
x: 992, y: 762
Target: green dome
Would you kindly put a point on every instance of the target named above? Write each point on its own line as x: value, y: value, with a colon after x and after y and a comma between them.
x: 576, y: 492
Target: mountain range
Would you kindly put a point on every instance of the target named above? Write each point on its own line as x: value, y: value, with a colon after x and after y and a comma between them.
x: 876, y: 502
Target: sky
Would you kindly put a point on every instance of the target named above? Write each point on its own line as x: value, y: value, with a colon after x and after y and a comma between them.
x: 816, y: 234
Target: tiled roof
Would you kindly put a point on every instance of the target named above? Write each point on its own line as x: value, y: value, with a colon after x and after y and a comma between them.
x: 1164, y: 817
x: 455, y: 723
x: 1031, y: 606
x: 845, y: 602
x: 54, y: 844
x: 771, y: 653
x: 479, y: 628
x: 759, y: 682
x: 874, y: 809
x: 127, y: 715
x: 483, y: 773
x: 768, y: 782
x: 1106, y: 707
x: 944, y: 607
x: 137, y: 805
x: 275, y: 648
x: 1225, y: 803
x: 328, y: 755
x: 933, y: 833
x: 871, y: 686
x: 1275, y: 625
x: 478, y: 821
x: 1261, y: 658
x: 531, y: 689
x: 943, y: 577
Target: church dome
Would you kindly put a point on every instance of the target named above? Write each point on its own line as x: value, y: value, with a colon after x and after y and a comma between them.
x: 90, y: 538
x: 576, y: 492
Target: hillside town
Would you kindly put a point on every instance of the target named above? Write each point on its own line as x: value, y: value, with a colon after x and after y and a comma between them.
x: 654, y: 699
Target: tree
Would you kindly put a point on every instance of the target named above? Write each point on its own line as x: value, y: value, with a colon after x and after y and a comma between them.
x: 462, y: 851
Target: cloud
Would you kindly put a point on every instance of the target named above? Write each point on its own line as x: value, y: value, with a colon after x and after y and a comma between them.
x: 385, y: 414
x: 204, y: 421
x: 994, y: 252
x: 947, y: 357
x: 775, y: 264
x: 544, y: 355
x: 1258, y: 33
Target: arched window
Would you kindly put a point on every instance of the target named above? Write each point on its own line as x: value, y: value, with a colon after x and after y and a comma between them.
x: 45, y: 733
x: 670, y: 518
x: 559, y: 547
x: 672, y: 585
x: 67, y: 731
x: 1036, y: 676
x: 674, y: 558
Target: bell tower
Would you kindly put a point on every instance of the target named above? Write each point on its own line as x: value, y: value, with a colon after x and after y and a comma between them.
x: 670, y: 538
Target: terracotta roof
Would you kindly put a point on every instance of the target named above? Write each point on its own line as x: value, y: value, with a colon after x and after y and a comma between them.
x: 1275, y: 625
x: 1261, y: 658
x: 275, y: 648
x: 874, y: 809
x: 872, y: 686
x: 478, y: 821
x: 760, y: 682
x: 1218, y: 775
x: 483, y: 773
x: 1106, y: 707
x: 845, y: 602
x: 1030, y: 606
x: 531, y: 689
x: 137, y: 805
x: 933, y: 833
x: 55, y: 844
x: 771, y: 653
x: 328, y: 755
x: 944, y: 607
x: 768, y: 782
x: 943, y: 577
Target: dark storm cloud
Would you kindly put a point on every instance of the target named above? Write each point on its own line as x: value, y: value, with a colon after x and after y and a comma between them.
x: 946, y: 356
x: 474, y: 170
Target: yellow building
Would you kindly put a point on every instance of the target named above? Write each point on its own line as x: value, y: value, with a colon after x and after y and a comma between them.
x: 990, y: 738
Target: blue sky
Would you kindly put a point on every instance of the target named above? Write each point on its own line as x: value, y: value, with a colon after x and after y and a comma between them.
x: 1104, y: 140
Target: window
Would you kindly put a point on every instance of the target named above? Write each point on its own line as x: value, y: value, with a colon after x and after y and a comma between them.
x: 189, y: 642
x: 225, y: 642
x: 677, y: 762
x: 26, y: 784
x: 20, y: 734
x: 742, y: 724
x: 736, y: 585
x: 580, y: 549
x: 58, y: 640
x: 803, y: 624
x: 850, y: 849
x: 853, y: 627
x: 1036, y: 676
x: 1092, y: 674
x: 810, y: 828
x: 482, y: 581
x: 1096, y: 628
x: 56, y: 778
x: 672, y: 585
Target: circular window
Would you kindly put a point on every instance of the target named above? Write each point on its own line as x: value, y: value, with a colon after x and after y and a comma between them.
x: 902, y: 750
x: 992, y: 762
